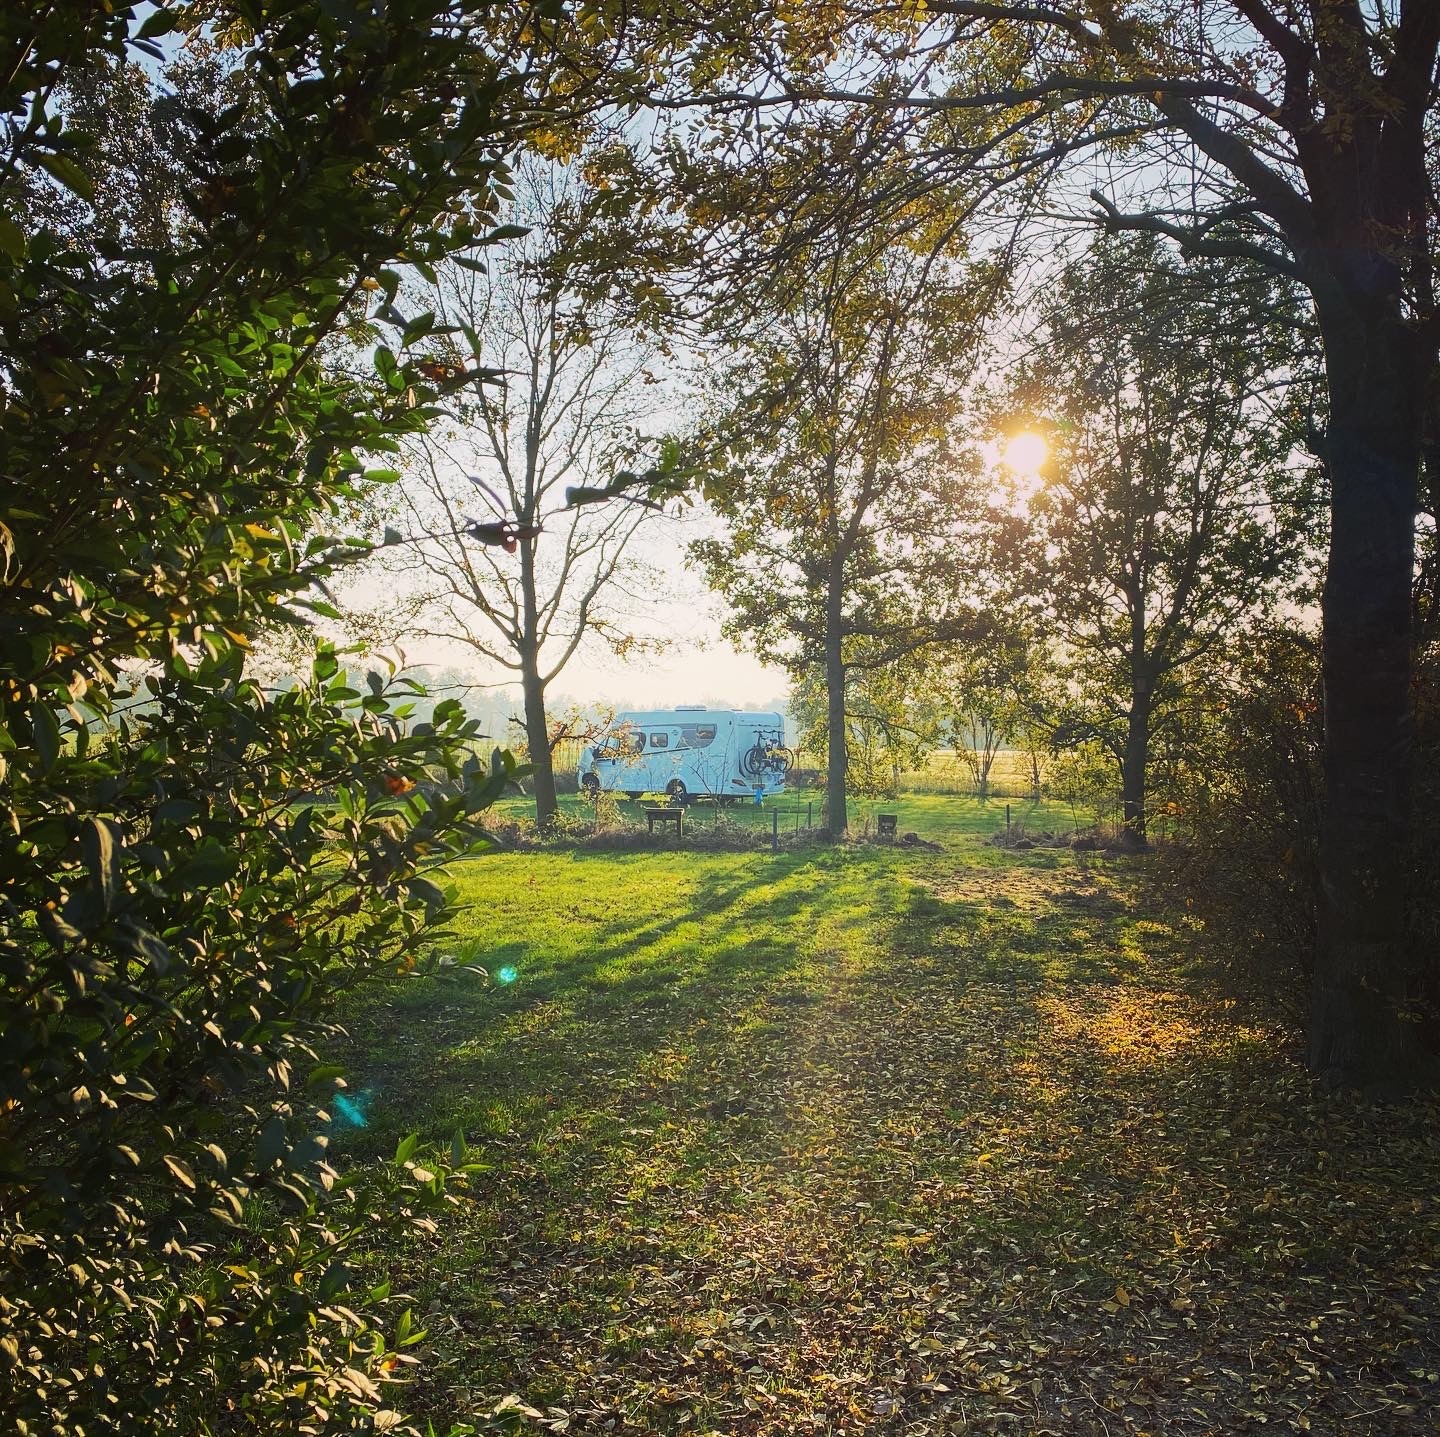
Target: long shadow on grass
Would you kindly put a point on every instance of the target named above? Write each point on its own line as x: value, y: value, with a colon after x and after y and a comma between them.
x: 576, y: 1031
x: 1051, y: 1172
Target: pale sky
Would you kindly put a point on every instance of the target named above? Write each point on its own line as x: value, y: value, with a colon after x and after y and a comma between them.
x: 699, y: 666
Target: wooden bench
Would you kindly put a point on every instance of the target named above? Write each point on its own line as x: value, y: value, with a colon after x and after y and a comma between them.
x: 666, y: 815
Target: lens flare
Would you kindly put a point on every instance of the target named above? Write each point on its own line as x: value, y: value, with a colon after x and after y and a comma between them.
x: 1026, y: 454
x: 506, y: 974
x: 350, y: 1110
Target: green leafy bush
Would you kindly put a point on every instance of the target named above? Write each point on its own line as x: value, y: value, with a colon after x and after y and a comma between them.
x: 1247, y: 807
x: 193, y: 869
x: 1247, y: 810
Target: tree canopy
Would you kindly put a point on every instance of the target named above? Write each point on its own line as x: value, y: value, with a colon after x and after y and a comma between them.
x: 1172, y: 503
x: 847, y: 494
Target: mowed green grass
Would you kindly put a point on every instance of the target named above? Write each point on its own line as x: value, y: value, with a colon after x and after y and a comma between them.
x: 864, y: 1140
x: 936, y: 817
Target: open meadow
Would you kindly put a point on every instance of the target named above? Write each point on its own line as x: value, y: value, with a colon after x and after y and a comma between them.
x: 856, y: 1139
x: 933, y: 817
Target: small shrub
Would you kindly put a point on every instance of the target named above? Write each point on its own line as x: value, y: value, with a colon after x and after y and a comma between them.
x: 1084, y: 777
x: 1247, y: 810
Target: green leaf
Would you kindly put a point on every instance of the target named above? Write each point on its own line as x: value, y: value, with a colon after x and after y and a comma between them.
x: 177, y: 810
x: 162, y: 22
x: 139, y: 940
x: 406, y: 1147
x: 430, y: 894
x: 271, y: 1144
x: 64, y: 169
x: 181, y: 1170
x: 46, y: 730
x: 12, y: 240
x: 56, y: 928
x: 418, y: 327
x: 98, y: 839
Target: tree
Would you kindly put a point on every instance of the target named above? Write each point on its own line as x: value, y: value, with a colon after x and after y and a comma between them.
x: 975, y: 693
x: 845, y: 499
x: 1297, y: 138
x: 179, y: 917
x: 1162, y: 519
x: 883, y: 735
x: 978, y: 736
x: 562, y: 417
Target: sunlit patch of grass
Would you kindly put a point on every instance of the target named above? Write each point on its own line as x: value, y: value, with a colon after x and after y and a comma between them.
x: 1149, y: 1027
x: 937, y: 817
x: 849, y: 1140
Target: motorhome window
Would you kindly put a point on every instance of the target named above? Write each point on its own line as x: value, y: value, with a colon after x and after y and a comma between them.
x: 697, y: 735
x: 635, y: 742
x: 659, y: 740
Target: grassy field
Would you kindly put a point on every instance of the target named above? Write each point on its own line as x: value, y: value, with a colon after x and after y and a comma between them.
x: 945, y: 771
x: 937, y: 817
x: 864, y: 1140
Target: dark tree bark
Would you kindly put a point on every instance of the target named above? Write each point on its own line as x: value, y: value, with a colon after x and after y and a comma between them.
x: 1367, y: 976
x: 1133, y: 762
x: 537, y: 739
x: 532, y: 683
x: 1135, y: 754
x: 836, y: 751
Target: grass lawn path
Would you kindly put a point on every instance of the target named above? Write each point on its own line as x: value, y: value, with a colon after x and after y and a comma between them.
x: 868, y: 1141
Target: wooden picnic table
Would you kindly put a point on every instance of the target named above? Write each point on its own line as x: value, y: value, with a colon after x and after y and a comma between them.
x: 665, y: 815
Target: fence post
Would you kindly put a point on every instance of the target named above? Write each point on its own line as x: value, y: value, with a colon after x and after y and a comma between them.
x: 810, y: 814
x: 1007, y: 820
x: 774, y: 830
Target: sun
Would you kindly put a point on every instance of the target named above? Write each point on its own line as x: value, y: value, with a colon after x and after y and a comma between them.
x: 1025, y: 453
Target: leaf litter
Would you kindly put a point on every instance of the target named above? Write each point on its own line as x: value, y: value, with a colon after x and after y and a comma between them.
x: 978, y: 1167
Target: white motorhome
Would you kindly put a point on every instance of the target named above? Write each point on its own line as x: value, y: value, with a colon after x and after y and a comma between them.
x: 686, y: 753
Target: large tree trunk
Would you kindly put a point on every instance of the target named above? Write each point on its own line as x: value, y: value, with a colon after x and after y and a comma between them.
x: 537, y: 726
x: 980, y: 739
x: 1135, y: 757
x: 836, y: 752
x: 1133, y: 763
x: 1367, y: 974
x: 537, y: 738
